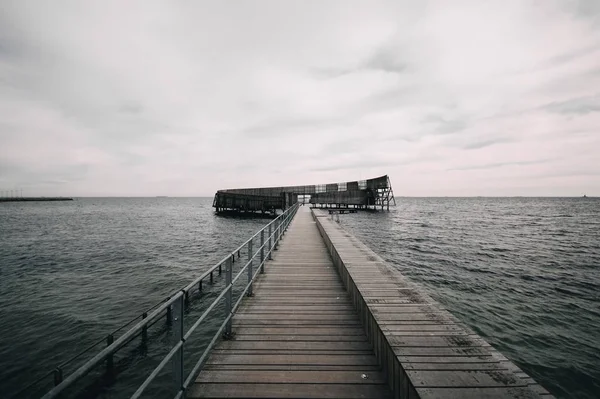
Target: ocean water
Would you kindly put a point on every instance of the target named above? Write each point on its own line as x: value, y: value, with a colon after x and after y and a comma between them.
x: 522, y: 272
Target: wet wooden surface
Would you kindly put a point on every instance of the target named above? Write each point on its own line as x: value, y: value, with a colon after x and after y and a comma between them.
x: 299, y: 336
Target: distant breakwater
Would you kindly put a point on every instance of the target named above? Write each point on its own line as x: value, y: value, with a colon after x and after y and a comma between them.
x: 36, y: 199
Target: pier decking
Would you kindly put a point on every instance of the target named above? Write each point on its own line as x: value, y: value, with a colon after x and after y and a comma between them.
x: 299, y: 336
x: 330, y: 319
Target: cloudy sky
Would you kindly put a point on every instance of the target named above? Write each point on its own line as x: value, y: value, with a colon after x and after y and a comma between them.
x: 186, y: 97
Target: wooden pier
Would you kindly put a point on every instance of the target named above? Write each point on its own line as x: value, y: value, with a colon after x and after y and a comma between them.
x: 330, y: 319
x: 299, y: 336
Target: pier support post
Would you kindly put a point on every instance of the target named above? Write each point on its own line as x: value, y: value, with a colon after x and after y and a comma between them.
x: 144, y: 331
x: 169, y: 314
x: 262, y: 251
x: 177, y: 362
x: 58, y: 376
x: 270, y: 241
x: 250, y: 269
x: 276, y: 238
x: 109, y: 359
x: 228, y: 297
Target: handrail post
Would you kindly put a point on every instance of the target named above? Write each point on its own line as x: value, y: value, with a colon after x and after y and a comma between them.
x: 276, y: 238
x: 144, y: 330
x: 109, y: 360
x: 262, y: 251
x: 58, y: 376
x: 270, y: 240
x: 250, y: 272
x: 169, y: 314
x: 228, y: 297
x: 177, y: 361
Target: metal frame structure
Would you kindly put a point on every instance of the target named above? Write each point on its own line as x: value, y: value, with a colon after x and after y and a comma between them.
x: 270, y: 235
x: 384, y: 196
x: 363, y: 194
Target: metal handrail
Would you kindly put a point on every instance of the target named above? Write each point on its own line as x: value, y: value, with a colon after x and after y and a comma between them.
x: 176, y: 302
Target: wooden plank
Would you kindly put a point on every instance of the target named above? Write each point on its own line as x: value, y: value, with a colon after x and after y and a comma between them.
x: 298, y: 337
x: 311, y: 317
x: 290, y: 377
x: 330, y: 331
x: 454, y: 366
x: 224, y: 358
x: 291, y: 352
x: 292, y: 367
x: 476, y: 393
x: 437, y: 341
x: 303, y: 345
x: 294, y: 322
x: 441, y: 351
x: 257, y: 390
x: 463, y: 378
x: 446, y: 359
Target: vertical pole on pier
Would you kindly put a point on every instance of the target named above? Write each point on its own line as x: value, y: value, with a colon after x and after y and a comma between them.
x: 228, y: 297
x: 58, y: 376
x: 109, y: 359
x: 169, y: 314
x: 144, y: 330
x: 200, y: 286
x: 250, y: 271
x: 276, y: 238
x: 262, y: 251
x: 177, y: 362
x: 270, y: 240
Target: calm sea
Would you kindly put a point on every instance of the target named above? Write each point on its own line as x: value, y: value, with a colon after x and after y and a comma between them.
x: 522, y: 272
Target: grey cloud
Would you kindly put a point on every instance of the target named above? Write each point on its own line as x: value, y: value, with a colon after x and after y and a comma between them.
x: 485, y: 143
x: 443, y: 125
x: 385, y: 59
x: 360, y: 164
x: 585, y: 8
x: 131, y: 108
x: 582, y: 105
x: 501, y: 164
x: 573, y: 55
x: 286, y: 126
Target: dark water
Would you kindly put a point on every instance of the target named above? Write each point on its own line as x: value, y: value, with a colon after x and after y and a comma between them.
x: 71, y: 272
x: 524, y: 273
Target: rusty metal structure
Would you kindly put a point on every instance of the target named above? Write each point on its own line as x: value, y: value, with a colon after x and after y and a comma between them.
x: 370, y: 194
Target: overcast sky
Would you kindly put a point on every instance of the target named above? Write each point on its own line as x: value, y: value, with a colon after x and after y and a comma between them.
x: 139, y: 98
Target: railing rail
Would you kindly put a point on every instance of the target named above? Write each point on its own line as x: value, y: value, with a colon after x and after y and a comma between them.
x: 175, y: 304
